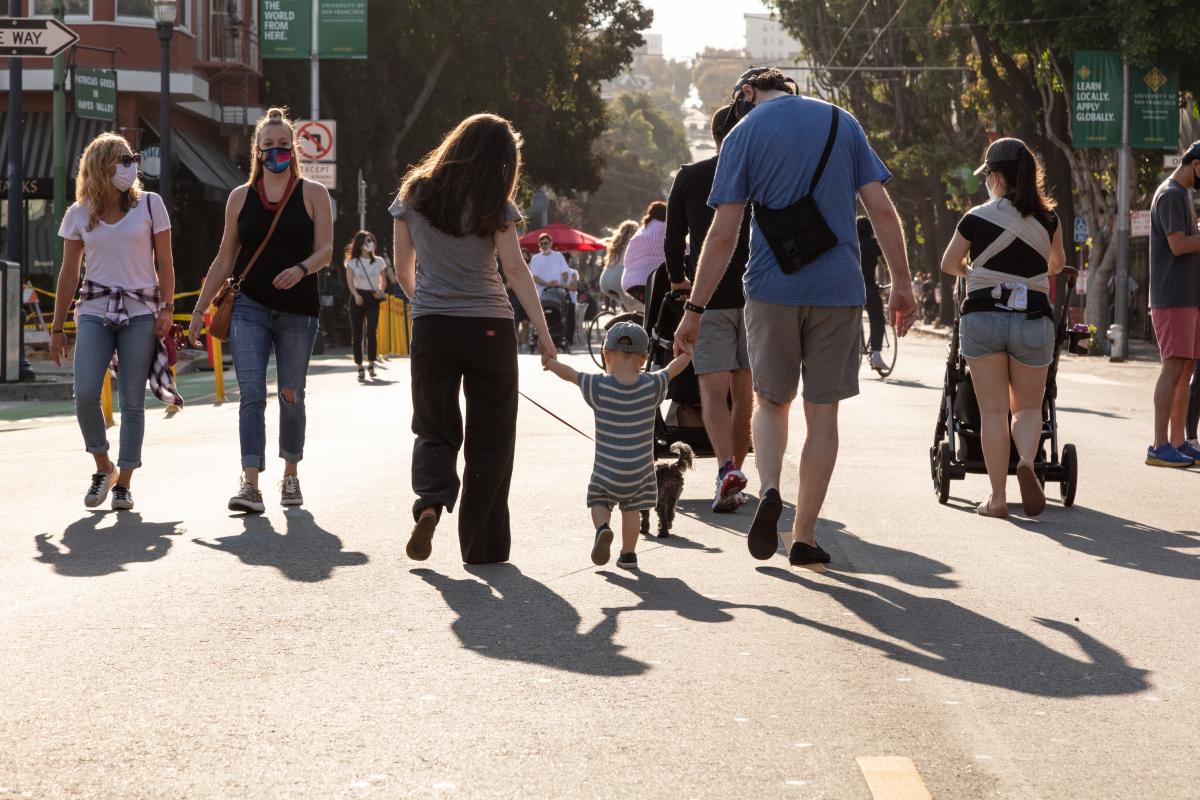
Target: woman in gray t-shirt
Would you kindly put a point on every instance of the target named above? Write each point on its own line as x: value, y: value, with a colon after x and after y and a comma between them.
x: 453, y: 215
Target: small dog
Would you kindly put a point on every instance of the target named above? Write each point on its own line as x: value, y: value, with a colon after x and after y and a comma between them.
x: 669, y: 475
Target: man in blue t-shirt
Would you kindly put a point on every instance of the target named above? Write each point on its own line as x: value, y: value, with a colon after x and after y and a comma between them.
x: 808, y: 323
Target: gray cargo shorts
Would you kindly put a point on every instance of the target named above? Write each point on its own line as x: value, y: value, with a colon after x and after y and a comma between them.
x: 721, y: 345
x: 821, y: 344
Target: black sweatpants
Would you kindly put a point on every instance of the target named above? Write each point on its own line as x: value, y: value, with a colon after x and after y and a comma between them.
x: 367, y: 313
x: 480, y: 356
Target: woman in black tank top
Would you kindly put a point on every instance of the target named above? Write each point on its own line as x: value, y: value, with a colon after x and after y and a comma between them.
x: 277, y: 307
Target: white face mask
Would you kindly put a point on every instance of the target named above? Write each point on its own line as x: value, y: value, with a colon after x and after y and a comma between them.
x: 124, y: 177
x: 368, y: 247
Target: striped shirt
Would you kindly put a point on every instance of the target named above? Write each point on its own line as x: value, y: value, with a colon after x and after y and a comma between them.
x: 624, y: 467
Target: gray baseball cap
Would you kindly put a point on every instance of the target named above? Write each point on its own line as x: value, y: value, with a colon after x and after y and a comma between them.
x: 639, y: 340
x: 1006, y: 149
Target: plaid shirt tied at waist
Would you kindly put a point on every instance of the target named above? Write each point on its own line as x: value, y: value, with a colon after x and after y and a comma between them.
x: 116, y: 316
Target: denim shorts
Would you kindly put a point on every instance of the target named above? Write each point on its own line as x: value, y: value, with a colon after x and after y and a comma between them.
x: 1028, y: 341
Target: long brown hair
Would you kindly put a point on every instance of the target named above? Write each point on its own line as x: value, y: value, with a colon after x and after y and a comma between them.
x: 93, y: 185
x: 465, y: 185
x: 274, y: 116
x: 1025, y: 184
x: 656, y: 210
x: 355, y: 248
x: 620, y: 240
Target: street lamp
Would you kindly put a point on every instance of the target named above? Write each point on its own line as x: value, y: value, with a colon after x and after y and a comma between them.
x: 165, y: 13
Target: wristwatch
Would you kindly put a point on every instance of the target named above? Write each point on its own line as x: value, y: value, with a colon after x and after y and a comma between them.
x: 168, y: 307
x: 688, y: 305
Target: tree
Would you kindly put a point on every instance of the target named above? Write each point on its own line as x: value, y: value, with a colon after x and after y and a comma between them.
x: 714, y: 73
x: 642, y: 147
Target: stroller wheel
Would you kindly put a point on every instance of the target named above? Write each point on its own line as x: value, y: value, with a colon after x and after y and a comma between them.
x: 1070, y: 481
x: 942, y: 481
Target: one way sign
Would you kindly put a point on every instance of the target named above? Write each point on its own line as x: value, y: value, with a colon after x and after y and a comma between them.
x: 34, y: 38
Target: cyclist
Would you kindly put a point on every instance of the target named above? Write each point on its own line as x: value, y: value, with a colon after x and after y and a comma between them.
x: 869, y: 253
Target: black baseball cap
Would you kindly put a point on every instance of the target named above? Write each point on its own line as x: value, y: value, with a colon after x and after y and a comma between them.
x: 747, y: 76
x: 1192, y: 154
x: 1006, y: 149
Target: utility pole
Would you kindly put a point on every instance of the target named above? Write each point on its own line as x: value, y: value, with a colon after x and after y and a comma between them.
x: 14, y: 245
x: 60, y: 139
x: 1120, y: 328
x: 315, y: 100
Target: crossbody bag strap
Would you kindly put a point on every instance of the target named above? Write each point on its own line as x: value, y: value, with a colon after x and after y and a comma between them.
x: 270, y: 232
x: 833, y: 131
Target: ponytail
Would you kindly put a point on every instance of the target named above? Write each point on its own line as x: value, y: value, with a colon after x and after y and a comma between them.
x: 1025, y: 181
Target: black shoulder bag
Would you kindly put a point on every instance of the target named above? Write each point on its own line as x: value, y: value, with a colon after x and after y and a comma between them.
x: 799, y: 233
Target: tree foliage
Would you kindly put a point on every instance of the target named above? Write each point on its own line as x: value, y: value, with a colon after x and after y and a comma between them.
x: 714, y: 73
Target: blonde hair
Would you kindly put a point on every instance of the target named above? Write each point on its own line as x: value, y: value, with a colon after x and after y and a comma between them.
x: 620, y: 240
x: 274, y: 116
x: 93, y: 185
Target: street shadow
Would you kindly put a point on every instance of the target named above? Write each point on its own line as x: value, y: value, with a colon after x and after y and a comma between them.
x: 306, y: 552
x: 673, y: 594
x: 507, y: 615
x: 910, y: 384
x: 1119, y: 541
x: 86, y: 550
x: 853, y: 554
x: 939, y: 636
x: 1091, y: 411
x: 677, y: 541
x: 701, y: 511
x: 378, y: 382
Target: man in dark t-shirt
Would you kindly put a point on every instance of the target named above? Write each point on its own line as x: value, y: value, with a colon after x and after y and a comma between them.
x: 1175, y: 309
x: 720, y: 359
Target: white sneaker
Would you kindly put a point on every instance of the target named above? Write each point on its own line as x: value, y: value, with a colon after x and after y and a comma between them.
x: 102, y: 482
x: 729, y: 487
x: 877, y: 362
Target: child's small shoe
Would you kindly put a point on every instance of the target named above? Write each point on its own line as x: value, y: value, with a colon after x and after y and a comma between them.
x: 600, y: 548
x: 627, y: 561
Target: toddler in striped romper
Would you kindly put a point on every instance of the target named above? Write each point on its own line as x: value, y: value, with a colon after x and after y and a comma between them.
x: 625, y: 400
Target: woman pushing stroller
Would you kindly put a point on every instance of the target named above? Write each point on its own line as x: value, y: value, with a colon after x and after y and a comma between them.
x: 1014, y: 243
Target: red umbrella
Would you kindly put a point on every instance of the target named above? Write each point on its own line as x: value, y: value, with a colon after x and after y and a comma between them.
x: 564, y: 237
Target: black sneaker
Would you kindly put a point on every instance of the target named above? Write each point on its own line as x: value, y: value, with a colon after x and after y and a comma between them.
x: 803, y: 554
x: 122, y: 498
x: 763, y: 540
x: 600, y: 548
x: 371, y: 370
x: 627, y: 561
x: 362, y: 376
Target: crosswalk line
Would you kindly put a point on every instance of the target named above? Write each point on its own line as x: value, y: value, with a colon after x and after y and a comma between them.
x: 893, y: 778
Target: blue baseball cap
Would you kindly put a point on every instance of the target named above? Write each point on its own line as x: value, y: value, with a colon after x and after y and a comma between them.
x: 639, y: 340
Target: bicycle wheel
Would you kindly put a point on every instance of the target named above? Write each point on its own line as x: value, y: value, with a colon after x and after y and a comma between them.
x: 891, y: 346
x: 595, y: 336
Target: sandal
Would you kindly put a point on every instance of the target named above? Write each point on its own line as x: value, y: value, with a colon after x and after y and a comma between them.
x: 985, y: 510
x: 420, y: 543
x: 1033, y: 497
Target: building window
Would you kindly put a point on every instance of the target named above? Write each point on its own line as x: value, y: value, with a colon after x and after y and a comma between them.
x: 144, y: 9
x: 71, y: 8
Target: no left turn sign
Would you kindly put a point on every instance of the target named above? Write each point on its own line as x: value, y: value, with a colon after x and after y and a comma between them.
x: 315, y: 140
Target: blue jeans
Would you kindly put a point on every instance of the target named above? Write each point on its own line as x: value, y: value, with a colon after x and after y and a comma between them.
x: 253, y: 332
x: 94, y: 346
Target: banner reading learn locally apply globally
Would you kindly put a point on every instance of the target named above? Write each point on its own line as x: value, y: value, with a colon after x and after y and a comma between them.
x: 286, y: 28
x: 1154, y: 105
x: 1096, y: 115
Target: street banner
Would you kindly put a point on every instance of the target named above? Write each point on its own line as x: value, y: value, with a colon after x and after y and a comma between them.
x: 1154, y: 106
x: 1096, y: 113
x: 95, y: 93
x: 286, y: 28
x: 342, y: 28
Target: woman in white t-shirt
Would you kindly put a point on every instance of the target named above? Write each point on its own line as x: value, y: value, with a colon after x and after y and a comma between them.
x: 123, y: 235
x: 366, y: 277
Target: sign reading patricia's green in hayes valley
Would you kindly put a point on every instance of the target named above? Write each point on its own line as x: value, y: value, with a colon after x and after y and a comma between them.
x: 1096, y: 115
x: 1154, y: 103
x: 96, y: 94
x: 286, y: 28
x: 342, y: 29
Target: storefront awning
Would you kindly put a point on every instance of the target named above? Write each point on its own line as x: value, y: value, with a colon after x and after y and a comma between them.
x: 204, y: 161
x: 38, y: 146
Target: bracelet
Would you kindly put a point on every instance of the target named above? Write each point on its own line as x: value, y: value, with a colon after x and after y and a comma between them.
x: 57, y: 330
x: 688, y: 305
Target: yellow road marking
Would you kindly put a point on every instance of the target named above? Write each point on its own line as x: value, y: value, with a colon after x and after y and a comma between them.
x: 893, y: 778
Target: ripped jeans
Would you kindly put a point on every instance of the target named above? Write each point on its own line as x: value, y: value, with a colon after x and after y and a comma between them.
x: 253, y: 332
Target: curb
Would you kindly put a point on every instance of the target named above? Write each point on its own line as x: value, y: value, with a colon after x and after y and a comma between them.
x: 36, y: 390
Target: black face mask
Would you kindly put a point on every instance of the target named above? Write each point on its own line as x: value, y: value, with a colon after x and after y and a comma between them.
x: 742, y: 106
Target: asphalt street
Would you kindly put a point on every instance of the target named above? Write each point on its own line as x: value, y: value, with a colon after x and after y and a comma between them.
x: 179, y: 651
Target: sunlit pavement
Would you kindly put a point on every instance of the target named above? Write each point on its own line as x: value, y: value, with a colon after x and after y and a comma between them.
x: 180, y: 651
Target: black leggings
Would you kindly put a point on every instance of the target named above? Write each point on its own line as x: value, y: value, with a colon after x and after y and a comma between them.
x: 875, y: 315
x: 478, y: 356
x: 1193, y: 412
x: 368, y: 312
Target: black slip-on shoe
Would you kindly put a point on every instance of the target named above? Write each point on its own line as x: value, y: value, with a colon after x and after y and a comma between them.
x: 600, y: 548
x: 803, y: 554
x: 420, y: 544
x: 763, y: 540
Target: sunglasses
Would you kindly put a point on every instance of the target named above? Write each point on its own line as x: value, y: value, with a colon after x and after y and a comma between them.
x: 128, y: 160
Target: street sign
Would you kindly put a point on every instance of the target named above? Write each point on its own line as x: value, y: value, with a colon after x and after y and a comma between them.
x: 1172, y: 161
x: 96, y: 94
x: 34, y: 38
x: 1082, y: 234
x: 1139, y: 223
x: 321, y: 172
x: 315, y: 140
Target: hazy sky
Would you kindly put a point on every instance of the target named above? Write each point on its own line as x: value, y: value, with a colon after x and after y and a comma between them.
x: 688, y: 26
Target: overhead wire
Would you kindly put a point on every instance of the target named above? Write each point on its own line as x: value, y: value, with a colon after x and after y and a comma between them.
x: 882, y: 31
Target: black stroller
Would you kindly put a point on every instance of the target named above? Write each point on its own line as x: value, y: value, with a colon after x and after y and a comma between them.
x: 555, y: 302
x: 957, y: 449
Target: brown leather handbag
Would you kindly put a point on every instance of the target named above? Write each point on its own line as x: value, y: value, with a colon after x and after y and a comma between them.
x: 222, y: 314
